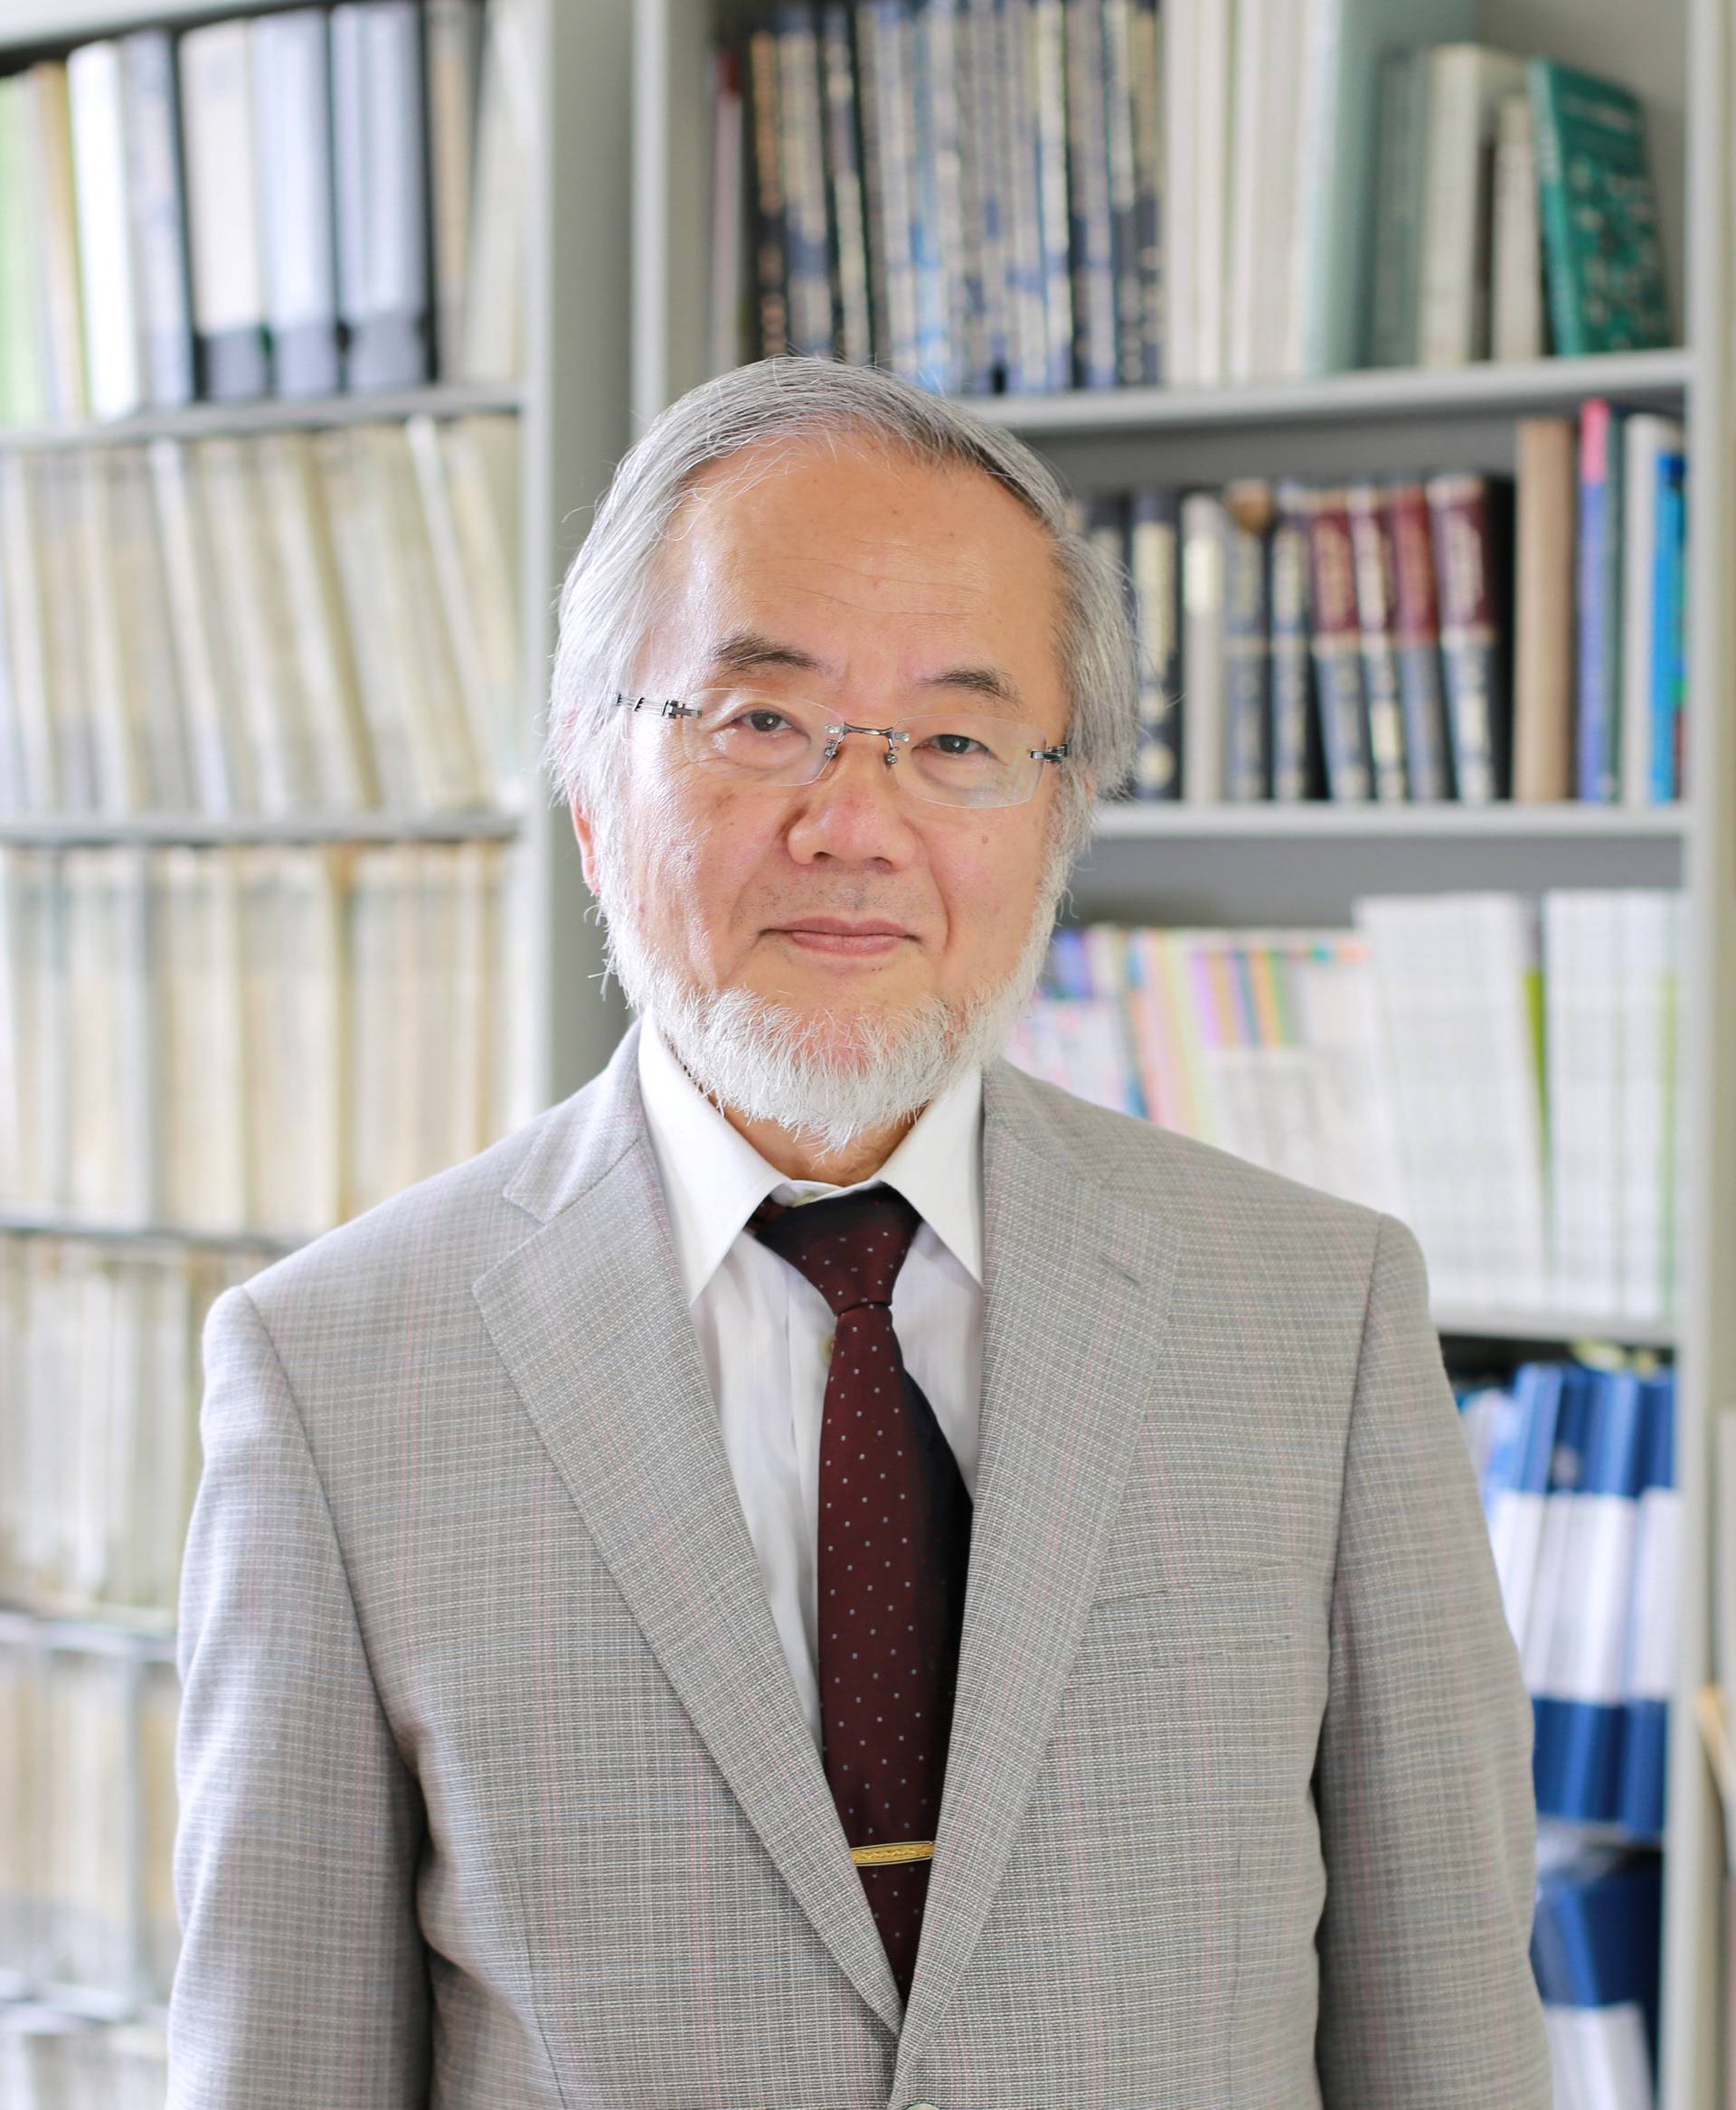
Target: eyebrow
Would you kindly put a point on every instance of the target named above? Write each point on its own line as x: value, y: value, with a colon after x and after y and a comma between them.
x: 746, y: 652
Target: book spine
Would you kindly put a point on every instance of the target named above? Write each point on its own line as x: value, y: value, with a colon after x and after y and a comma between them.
x: 1027, y: 316
x: 978, y: 256
x: 1202, y: 532
x: 1154, y: 562
x: 873, y: 184
x: 1399, y: 151
x: 158, y: 208
x: 1337, y: 644
x: 1371, y: 556
x: 1146, y: 61
x: 930, y: 246
x: 1048, y: 91
x: 1517, y: 271
x: 1293, y: 737
x: 768, y: 254
x: 292, y: 119
x: 1417, y: 637
x: 1599, y: 660
x: 1543, y: 611
x: 1555, y: 214
x: 1123, y: 192
x: 1669, y: 637
x: 93, y: 76
x: 381, y: 155
x: 1088, y: 172
x: 896, y: 104
x: 807, y: 277
x: 1247, y: 640
x: 1447, y: 324
x: 994, y: 143
x: 843, y: 171
x: 1460, y: 514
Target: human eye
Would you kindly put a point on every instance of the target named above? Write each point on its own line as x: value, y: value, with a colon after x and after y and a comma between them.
x: 957, y: 745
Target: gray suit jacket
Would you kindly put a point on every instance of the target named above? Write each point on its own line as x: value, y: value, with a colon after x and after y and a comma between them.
x: 496, y: 1790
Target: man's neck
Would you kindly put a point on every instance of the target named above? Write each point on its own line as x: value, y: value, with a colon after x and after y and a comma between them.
x: 798, y: 1157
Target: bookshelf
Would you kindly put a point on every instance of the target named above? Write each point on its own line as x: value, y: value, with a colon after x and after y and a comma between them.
x: 1262, y: 864
x: 568, y: 403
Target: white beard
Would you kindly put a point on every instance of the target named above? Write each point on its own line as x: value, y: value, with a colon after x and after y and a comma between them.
x: 827, y: 1082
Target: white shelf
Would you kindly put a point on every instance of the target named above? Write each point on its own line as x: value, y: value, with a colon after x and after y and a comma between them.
x: 1493, y: 1322
x: 270, y: 414
x: 1487, y: 388
x: 1323, y: 821
x: 62, y: 829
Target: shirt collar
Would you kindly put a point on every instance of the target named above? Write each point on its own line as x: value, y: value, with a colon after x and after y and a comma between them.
x: 714, y: 1179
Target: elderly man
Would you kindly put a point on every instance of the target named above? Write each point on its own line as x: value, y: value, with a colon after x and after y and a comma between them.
x: 823, y: 1571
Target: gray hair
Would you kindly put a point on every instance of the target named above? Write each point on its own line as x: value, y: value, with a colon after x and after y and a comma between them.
x: 608, y: 599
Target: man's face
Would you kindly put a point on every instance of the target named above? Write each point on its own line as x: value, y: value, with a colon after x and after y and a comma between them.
x: 877, y: 588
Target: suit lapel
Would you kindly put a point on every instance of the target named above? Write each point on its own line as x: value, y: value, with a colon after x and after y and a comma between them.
x: 589, y: 1319
x: 1077, y: 1286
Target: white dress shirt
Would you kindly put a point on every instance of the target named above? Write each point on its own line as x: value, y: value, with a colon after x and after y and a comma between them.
x: 765, y: 1331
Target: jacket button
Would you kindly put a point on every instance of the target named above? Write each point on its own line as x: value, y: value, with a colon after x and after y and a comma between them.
x: 921, y: 2106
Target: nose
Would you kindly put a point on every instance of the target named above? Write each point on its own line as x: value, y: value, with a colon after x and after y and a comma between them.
x: 854, y: 811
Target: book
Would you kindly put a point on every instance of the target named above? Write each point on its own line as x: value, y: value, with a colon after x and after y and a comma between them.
x: 801, y: 155
x: 1247, y: 512
x: 1597, y: 736
x: 1516, y: 260
x: 1202, y: 646
x: 1416, y: 623
x: 97, y: 103
x: 1401, y: 162
x: 1666, y: 778
x: 379, y: 150
x: 1654, y: 1615
x: 227, y: 265
x: 1372, y: 566
x: 1601, y: 249
x: 292, y: 143
x: 156, y: 217
x: 1156, y: 570
x: 1640, y: 770
x: 1544, y: 610
x: 452, y: 35
x: 843, y: 177
x: 1295, y: 737
x: 60, y: 297
x: 1595, y: 1948
x: 1090, y: 130
x: 1471, y: 516
x: 495, y: 322
x: 1337, y: 648
x: 1467, y: 84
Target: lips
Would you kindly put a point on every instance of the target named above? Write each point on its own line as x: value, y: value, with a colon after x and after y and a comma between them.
x: 838, y: 926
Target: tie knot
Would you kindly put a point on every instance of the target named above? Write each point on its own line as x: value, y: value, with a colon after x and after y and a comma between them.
x: 850, y: 1247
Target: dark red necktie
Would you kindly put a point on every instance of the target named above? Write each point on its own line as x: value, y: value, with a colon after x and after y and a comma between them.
x: 895, y: 1545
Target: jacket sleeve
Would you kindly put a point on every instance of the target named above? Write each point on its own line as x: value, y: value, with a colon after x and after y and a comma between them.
x: 1423, y: 1778
x: 302, y: 1976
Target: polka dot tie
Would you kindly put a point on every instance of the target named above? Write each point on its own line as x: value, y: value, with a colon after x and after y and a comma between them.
x: 894, y: 1543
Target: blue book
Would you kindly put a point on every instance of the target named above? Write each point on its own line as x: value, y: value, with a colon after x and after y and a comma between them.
x: 1515, y: 1484
x: 1669, y: 628
x: 1595, y: 1945
x: 1551, y: 1581
x: 1295, y: 736
x: 932, y: 109
x: 1047, y: 87
x: 1599, y: 698
x: 1584, y: 1707
x: 1652, y: 1616
x: 1070, y: 965
x: 1247, y: 640
x: 807, y: 274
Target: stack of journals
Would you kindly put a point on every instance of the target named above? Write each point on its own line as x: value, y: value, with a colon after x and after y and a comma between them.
x: 1038, y: 194
x: 1595, y: 1948
x: 291, y: 204
x: 99, y: 1389
x: 1402, y: 1064
x: 1513, y: 211
x: 264, y: 1038
x: 87, y: 1730
x: 51, y: 2060
x: 1387, y: 641
x: 1579, y: 1484
x: 299, y: 623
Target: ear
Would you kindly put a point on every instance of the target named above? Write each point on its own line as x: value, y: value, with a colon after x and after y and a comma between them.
x: 584, y: 831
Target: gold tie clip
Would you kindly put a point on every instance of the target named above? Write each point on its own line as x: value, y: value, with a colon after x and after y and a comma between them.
x: 894, y: 1850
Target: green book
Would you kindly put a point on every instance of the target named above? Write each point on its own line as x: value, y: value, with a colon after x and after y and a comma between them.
x: 1602, y: 257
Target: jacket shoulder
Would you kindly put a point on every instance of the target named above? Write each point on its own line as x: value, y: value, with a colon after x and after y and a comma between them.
x: 1158, y: 1168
